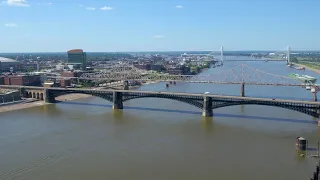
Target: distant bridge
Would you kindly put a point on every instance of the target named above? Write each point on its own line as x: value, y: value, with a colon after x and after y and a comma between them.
x: 206, y: 102
x: 254, y: 60
x: 241, y: 74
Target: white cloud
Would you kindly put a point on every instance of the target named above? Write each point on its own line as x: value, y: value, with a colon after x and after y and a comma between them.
x: 18, y: 3
x: 179, y: 7
x: 11, y: 25
x: 90, y: 8
x: 158, y: 36
x: 106, y: 8
x: 50, y: 3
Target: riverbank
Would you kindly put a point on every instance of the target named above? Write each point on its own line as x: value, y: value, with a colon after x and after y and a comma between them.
x: 70, y: 97
x: 204, y: 69
x: 32, y: 103
x: 22, y: 105
x: 309, y: 67
x: 67, y: 97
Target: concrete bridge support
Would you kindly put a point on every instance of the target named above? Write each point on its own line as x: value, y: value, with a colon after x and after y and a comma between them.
x: 23, y: 93
x: 207, y: 107
x: 318, y: 119
x: 47, y: 98
x: 125, y: 85
x: 242, y: 91
x: 117, y: 100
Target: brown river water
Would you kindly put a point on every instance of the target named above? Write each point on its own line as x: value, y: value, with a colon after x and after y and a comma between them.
x: 158, y: 139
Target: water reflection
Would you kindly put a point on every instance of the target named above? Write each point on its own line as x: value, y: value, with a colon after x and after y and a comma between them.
x: 117, y: 114
x: 207, y: 124
x: 242, y: 108
x: 225, y: 115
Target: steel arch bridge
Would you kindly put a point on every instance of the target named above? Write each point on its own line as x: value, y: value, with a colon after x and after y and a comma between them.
x: 206, y: 102
x: 201, y: 101
x: 241, y: 74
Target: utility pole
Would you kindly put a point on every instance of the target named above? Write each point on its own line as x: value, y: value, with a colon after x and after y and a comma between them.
x: 222, y: 58
x: 288, y: 55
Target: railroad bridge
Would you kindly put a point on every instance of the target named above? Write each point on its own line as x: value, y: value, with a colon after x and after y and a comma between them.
x: 206, y: 102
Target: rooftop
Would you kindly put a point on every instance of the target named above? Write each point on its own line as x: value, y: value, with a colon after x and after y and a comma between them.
x: 3, y: 59
x: 75, y: 51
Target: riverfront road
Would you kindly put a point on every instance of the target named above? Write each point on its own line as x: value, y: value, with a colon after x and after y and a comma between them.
x: 206, y: 102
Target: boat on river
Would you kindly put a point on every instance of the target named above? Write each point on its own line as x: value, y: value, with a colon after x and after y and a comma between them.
x: 303, y: 78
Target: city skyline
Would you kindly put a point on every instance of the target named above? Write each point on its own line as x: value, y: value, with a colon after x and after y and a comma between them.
x: 130, y: 26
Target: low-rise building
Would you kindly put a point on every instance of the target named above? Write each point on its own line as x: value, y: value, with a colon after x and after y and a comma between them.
x: 65, y: 82
x: 22, y: 80
x: 176, y: 71
x: 143, y: 66
x: 72, y: 73
x: 29, y: 67
x: 156, y: 67
x: 1, y: 80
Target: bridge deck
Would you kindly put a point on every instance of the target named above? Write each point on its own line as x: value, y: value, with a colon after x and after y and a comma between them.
x: 79, y: 90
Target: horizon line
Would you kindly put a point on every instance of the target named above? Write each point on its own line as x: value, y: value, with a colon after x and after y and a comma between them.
x: 162, y: 51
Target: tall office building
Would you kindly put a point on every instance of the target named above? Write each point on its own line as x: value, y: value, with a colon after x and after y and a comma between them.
x: 77, y: 57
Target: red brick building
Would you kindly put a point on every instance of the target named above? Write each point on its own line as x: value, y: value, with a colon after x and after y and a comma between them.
x: 65, y: 82
x: 72, y: 74
x: 22, y: 80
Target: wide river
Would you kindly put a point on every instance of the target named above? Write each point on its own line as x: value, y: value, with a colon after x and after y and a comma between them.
x: 161, y: 139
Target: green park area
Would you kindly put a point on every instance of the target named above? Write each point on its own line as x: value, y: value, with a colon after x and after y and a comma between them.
x: 311, y: 62
x: 312, y: 65
x: 195, y: 69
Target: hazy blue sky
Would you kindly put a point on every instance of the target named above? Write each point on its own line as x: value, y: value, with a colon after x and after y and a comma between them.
x: 144, y: 25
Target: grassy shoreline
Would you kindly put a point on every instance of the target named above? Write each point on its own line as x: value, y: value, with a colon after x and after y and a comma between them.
x: 312, y: 67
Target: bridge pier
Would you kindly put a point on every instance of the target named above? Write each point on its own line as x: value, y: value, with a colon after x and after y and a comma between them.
x: 207, y: 107
x: 117, y: 100
x: 47, y: 97
x: 23, y: 93
x: 242, y: 91
x: 318, y: 118
x: 315, y: 97
x: 125, y: 85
